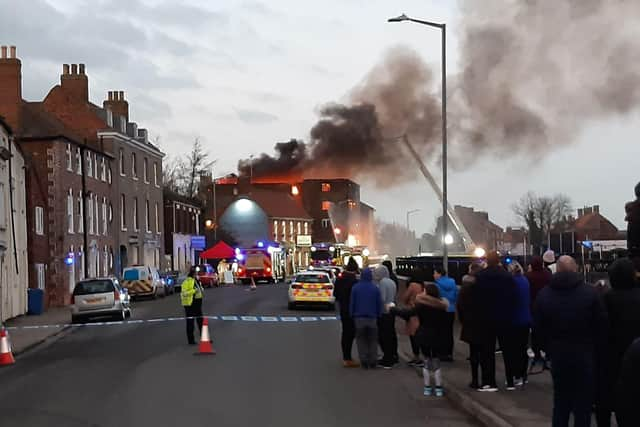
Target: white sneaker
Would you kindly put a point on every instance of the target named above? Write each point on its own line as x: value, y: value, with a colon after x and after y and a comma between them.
x: 488, y: 388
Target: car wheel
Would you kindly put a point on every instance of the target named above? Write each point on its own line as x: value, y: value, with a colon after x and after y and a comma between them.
x: 128, y: 313
x: 292, y: 306
x: 75, y: 320
x: 332, y: 307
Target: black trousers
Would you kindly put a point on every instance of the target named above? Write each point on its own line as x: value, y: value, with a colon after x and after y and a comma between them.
x: 448, y: 334
x: 415, y: 346
x: 194, y: 310
x: 573, y: 387
x: 508, y: 344
x: 474, y: 362
x: 520, y: 356
x: 536, y: 346
x: 348, y: 335
x: 487, y: 356
x: 388, y: 338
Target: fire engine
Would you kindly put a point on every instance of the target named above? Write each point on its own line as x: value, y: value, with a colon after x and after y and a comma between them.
x: 255, y: 263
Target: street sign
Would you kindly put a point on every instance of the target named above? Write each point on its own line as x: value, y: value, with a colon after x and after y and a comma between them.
x: 303, y: 240
x: 198, y: 242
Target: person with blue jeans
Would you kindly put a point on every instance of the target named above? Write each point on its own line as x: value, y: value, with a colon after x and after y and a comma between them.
x: 449, y: 291
x: 365, y: 309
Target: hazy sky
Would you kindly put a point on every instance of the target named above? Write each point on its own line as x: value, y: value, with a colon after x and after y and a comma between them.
x: 244, y: 74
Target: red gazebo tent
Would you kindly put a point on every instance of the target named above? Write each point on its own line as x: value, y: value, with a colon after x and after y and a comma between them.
x: 219, y: 251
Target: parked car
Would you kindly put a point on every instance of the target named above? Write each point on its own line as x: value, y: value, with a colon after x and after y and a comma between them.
x: 312, y: 287
x: 170, y: 278
x: 101, y: 297
x: 207, y: 275
x: 178, y: 283
x: 142, y: 281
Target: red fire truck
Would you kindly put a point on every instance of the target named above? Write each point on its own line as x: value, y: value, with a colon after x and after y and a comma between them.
x: 254, y: 263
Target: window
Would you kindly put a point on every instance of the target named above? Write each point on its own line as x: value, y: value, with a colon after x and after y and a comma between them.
x: 81, y: 261
x: 40, y: 274
x: 326, y: 222
x: 306, y: 228
x: 90, y: 212
x: 39, y: 220
x: 147, y: 216
x: 89, y: 164
x: 284, y: 231
x: 103, y: 170
x: 78, y: 161
x: 95, y: 163
x: 105, y: 261
x: 3, y: 210
x: 155, y: 173
x: 326, y: 187
x: 135, y: 214
x: 123, y: 213
x: 109, y: 175
x: 109, y: 118
x: 70, y: 204
x: 326, y: 205
x: 145, y: 172
x: 134, y: 166
x: 122, y: 168
x: 275, y: 230
x: 97, y: 211
x: 104, y: 216
x: 157, y: 219
x: 299, y: 227
x: 80, y: 213
x: 69, y: 158
x: 291, y: 230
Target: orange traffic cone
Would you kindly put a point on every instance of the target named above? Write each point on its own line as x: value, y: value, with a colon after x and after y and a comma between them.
x: 205, y: 346
x: 6, y: 358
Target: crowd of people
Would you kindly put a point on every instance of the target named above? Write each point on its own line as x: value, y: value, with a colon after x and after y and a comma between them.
x: 542, y: 317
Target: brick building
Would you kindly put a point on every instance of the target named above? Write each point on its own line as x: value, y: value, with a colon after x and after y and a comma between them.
x: 483, y: 232
x: 74, y: 188
x: 182, y: 218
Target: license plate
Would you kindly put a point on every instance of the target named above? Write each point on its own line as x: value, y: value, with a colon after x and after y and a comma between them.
x: 94, y: 300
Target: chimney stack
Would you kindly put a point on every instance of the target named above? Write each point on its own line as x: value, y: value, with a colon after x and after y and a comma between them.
x: 580, y: 213
x: 596, y: 208
x: 10, y: 86
x: 117, y: 104
x: 81, y: 68
x: 77, y: 85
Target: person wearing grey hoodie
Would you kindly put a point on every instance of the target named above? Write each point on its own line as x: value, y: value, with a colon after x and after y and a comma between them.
x: 387, y: 323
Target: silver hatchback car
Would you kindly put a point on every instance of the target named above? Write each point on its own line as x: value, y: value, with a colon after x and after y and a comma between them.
x: 100, y: 297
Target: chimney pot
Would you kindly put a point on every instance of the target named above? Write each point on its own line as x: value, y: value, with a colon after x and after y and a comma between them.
x: 81, y: 68
x: 12, y: 52
x: 65, y: 68
x: 121, y: 95
x: 74, y: 68
x: 596, y: 208
x: 4, y: 52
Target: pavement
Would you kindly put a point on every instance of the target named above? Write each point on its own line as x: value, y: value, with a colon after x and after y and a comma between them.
x: 267, y: 373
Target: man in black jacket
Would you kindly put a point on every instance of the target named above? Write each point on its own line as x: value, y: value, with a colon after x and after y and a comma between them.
x: 627, y: 413
x: 494, y: 299
x: 344, y: 284
x: 633, y: 228
x: 571, y: 320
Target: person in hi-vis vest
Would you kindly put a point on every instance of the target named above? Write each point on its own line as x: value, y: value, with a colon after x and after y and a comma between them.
x: 191, y: 297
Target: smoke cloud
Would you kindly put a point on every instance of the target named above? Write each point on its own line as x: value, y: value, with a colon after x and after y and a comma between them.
x: 532, y: 75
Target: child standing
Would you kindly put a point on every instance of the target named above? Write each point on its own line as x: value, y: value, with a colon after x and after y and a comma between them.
x: 431, y: 309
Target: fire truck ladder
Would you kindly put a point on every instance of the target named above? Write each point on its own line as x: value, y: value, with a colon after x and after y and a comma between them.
x: 457, y: 223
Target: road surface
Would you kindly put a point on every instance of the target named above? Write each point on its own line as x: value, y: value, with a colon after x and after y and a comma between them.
x: 265, y: 374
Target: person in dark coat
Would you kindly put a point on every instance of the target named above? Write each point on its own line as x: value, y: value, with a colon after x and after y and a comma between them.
x: 392, y: 275
x: 494, y: 297
x: 467, y: 317
x: 519, y: 339
x: 633, y: 228
x: 622, y: 303
x: 344, y: 284
x: 538, y: 277
x: 571, y: 320
x: 627, y: 413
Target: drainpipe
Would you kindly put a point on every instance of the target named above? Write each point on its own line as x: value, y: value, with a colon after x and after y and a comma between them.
x: 13, y: 223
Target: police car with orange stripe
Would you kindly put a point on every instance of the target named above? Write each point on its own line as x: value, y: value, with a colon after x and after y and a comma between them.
x: 312, y: 288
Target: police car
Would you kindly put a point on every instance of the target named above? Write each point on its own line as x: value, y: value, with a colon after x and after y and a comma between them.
x: 312, y: 288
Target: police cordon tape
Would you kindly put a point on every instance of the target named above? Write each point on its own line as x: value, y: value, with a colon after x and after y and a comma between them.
x: 223, y: 318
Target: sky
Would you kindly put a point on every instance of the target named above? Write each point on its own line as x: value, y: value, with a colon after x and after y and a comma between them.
x: 242, y: 75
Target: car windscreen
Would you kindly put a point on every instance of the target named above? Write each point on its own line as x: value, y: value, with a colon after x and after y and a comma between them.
x: 132, y: 274
x: 312, y: 278
x: 93, y: 287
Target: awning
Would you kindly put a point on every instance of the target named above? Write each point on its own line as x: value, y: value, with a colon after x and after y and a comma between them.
x: 219, y: 251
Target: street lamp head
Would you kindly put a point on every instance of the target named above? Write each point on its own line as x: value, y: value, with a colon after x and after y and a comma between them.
x: 400, y: 18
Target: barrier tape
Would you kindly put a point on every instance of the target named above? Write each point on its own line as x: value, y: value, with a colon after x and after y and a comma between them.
x: 222, y: 318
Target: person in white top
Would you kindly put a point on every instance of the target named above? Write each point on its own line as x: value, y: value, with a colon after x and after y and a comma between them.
x: 549, y: 258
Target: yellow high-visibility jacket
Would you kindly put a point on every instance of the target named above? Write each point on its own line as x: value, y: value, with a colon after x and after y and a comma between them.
x: 189, y: 291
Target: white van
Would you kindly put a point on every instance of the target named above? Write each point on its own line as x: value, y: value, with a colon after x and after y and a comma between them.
x: 143, y: 281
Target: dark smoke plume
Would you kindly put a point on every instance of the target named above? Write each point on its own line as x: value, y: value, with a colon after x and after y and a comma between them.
x: 533, y: 74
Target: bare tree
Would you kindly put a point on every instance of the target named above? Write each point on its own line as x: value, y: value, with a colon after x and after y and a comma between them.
x: 182, y: 174
x: 172, y: 169
x: 540, y: 214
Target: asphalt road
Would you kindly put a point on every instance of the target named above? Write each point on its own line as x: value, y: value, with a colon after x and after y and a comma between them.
x: 265, y: 374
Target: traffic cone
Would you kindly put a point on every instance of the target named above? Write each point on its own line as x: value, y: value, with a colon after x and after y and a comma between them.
x: 253, y: 286
x: 6, y: 358
x: 205, y: 346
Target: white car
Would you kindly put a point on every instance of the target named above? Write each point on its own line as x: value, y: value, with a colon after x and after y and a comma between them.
x: 312, y: 288
x: 100, y: 297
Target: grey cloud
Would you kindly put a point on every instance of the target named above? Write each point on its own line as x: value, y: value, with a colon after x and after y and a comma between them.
x: 144, y: 109
x: 254, y: 117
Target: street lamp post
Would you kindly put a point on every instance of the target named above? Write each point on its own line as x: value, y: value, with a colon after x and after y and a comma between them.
x: 408, y: 226
x: 443, y: 28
